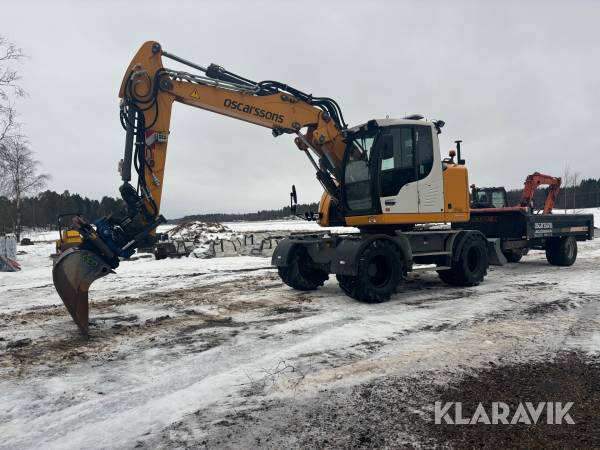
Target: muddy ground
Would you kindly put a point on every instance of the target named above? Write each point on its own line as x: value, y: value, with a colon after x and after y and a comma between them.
x: 388, y: 412
x: 237, y: 360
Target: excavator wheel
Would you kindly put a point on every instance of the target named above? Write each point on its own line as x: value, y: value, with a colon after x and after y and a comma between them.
x: 379, y: 273
x: 300, y: 274
x: 561, y: 251
x: 471, y: 266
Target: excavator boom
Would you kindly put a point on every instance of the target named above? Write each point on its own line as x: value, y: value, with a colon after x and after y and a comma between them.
x: 147, y: 93
x: 532, y: 182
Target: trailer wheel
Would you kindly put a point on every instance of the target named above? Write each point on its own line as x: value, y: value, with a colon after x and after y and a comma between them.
x: 513, y: 256
x: 471, y: 266
x: 379, y: 272
x: 299, y: 273
x: 561, y: 251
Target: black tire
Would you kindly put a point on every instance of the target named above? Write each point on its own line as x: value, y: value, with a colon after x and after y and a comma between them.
x: 346, y: 283
x: 561, y: 251
x: 380, y: 270
x: 299, y: 273
x: 471, y: 267
x: 513, y: 256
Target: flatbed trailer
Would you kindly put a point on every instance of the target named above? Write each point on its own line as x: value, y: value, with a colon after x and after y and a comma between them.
x: 516, y: 230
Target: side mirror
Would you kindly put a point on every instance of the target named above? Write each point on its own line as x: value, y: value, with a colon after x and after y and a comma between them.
x: 387, y: 146
x: 439, y: 124
x: 293, y: 200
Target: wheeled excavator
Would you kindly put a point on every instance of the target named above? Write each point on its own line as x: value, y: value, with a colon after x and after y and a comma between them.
x: 385, y: 177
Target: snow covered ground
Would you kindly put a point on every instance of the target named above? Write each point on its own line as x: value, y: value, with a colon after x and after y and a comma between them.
x: 180, y: 348
x: 594, y: 211
x: 276, y: 225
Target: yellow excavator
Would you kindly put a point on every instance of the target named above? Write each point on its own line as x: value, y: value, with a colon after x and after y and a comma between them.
x: 67, y: 237
x: 385, y: 177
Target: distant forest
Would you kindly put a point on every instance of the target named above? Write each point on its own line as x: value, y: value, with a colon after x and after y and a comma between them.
x: 270, y: 214
x: 40, y: 211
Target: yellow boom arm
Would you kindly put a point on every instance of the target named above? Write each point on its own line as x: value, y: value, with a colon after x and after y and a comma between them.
x: 151, y: 89
x: 148, y: 91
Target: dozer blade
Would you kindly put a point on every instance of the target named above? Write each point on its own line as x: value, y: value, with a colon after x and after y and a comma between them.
x: 73, y: 273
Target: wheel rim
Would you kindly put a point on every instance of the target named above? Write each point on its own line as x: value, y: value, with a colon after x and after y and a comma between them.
x: 473, y: 259
x: 379, y: 271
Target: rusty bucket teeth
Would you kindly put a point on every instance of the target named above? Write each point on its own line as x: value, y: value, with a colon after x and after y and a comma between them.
x: 73, y: 273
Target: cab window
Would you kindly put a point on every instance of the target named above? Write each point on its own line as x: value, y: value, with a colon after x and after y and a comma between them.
x: 357, y: 177
x: 423, y: 137
x: 399, y: 168
x: 498, y: 199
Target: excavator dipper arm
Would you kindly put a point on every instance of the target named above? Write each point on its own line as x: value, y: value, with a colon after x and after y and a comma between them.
x: 147, y: 92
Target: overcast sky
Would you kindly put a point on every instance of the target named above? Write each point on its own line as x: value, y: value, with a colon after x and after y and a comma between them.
x: 518, y: 82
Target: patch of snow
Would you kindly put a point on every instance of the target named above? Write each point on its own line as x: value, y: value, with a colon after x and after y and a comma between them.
x: 231, y: 319
x: 295, y: 225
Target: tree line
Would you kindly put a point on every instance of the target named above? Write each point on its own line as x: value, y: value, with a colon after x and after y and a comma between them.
x: 41, y: 211
x: 267, y: 214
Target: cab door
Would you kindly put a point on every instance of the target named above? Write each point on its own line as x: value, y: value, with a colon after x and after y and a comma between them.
x: 398, y: 187
x: 359, y: 189
x: 430, y: 181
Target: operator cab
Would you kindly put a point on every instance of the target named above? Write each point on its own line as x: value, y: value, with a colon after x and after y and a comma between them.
x: 393, y: 166
x: 489, y: 197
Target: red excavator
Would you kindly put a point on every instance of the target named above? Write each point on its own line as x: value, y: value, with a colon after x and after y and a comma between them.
x: 495, y: 197
x: 518, y: 229
x: 532, y: 182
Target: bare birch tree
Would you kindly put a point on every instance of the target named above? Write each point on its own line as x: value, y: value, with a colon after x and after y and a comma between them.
x: 9, y: 88
x: 18, y: 172
x: 9, y: 76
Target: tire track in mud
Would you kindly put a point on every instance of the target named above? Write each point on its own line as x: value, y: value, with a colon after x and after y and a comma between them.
x: 178, y: 320
x: 41, y: 312
x: 525, y: 304
x: 371, y: 414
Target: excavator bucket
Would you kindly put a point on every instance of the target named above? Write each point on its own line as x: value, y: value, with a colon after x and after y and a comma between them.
x: 73, y: 273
